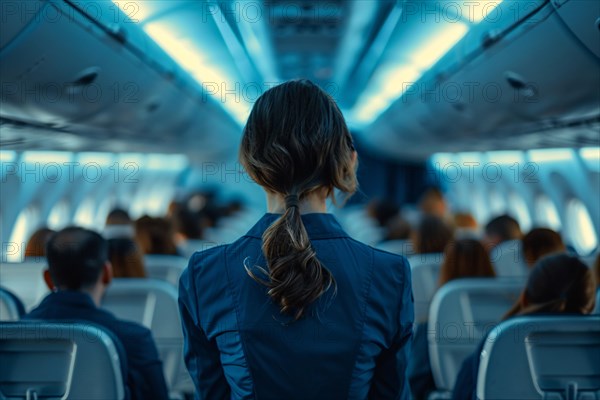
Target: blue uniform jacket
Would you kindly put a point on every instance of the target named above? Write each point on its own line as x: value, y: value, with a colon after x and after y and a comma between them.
x: 353, y: 345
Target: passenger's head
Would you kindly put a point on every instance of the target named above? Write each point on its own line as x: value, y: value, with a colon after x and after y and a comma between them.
x: 558, y: 283
x: 118, y: 225
x: 432, y: 203
x: 36, y: 246
x: 465, y: 221
x: 155, y: 235
x: 465, y: 258
x: 126, y: 259
x: 187, y: 224
x: 501, y: 229
x: 77, y: 260
x: 118, y: 216
x: 383, y: 211
x: 540, y: 242
x: 466, y: 226
x: 296, y: 144
x: 398, y: 229
x: 432, y: 235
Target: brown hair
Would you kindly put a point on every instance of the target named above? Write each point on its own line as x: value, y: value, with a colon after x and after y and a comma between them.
x: 126, y: 259
x: 558, y: 283
x: 465, y: 258
x: 36, y: 246
x: 155, y: 235
x: 540, y: 242
x: 295, y: 143
x: 465, y: 220
x: 432, y: 235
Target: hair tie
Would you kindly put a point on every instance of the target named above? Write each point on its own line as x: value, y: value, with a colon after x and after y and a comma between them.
x: 292, y: 200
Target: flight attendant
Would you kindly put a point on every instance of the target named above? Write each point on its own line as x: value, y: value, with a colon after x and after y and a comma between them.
x: 296, y: 309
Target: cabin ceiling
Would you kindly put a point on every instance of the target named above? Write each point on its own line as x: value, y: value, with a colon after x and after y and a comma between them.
x: 356, y: 50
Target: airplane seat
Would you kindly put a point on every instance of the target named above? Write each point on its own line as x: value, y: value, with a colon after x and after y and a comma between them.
x: 25, y: 280
x: 461, y: 313
x: 59, y: 360
x: 425, y: 270
x: 189, y: 247
x: 597, y: 309
x: 153, y: 304
x: 8, y: 307
x: 541, y: 357
x: 508, y: 261
x: 166, y: 268
x: 402, y: 247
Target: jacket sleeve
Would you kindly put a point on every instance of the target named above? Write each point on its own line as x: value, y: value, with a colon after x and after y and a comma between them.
x: 201, y: 355
x: 390, y: 380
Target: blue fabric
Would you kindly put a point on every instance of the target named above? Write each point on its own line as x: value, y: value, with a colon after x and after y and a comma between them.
x: 419, y: 372
x: 144, y: 375
x: 354, y: 345
x: 465, y: 387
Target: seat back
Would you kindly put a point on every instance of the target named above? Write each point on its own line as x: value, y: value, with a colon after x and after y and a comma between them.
x: 542, y: 357
x: 153, y: 304
x: 58, y: 361
x: 508, y: 260
x: 402, y: 247
x: 26, y: 280
x: 462, y: 313
x: 8, y: 308
x: 190, y: 246
x: 425, y: 270
x: 165, y: 267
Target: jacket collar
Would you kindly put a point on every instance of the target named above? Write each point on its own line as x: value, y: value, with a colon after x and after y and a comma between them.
x: 69, y: 297
x: 318, y: 226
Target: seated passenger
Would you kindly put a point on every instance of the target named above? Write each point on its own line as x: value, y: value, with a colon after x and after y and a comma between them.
x: 466, y: 226
x: 465, y: 258
x: 126, y: 259
x: 296, y: 309
x: 36, y: 246
x: 501, y: 229
x: 432, y: 235
x: 155, y: 236
x: 557, y: 284
x: 432, y: 203
x: 540, y: 242
x: 78, y: 274
x: 188, y: 225
x: 388, y: 216
x: 118, y: 225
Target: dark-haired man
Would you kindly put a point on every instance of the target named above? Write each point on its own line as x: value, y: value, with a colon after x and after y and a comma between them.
x: 78, y: 274
x: 503, y: 241
x: 502, y: 229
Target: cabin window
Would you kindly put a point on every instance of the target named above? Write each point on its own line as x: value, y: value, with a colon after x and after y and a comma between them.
x: 86, y: 214
x: 546, y: 214
x: 580, y: 228
x: 518, y: 208
x: 24, y: 226
x: 59, y: 216
x: 497, y: 203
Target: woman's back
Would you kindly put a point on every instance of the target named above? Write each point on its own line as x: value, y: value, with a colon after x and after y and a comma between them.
x: 353, y: 344
x: 296, y: 309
